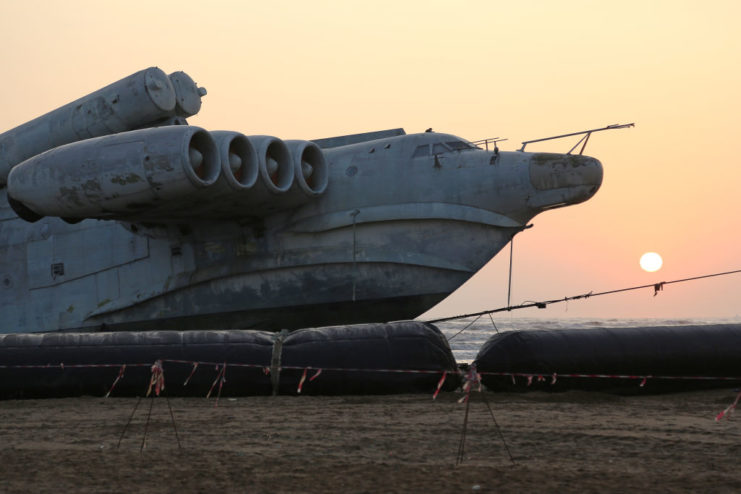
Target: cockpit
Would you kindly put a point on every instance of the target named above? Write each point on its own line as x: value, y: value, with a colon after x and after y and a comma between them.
x: 436, y: 148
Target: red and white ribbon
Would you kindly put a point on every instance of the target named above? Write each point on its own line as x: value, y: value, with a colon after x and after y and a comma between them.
x: 472, y: 378
x: 157, y: 380
x: 120, y: 376
x: 440, y: 385
x: 301, y: 381
x: 303, y: 378
x: 221, y: 379
x: 315, y: 375
x: 195, y: 366
x: 729, y: 410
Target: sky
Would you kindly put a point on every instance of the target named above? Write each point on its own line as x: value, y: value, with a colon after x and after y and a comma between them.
x: 477, y: 69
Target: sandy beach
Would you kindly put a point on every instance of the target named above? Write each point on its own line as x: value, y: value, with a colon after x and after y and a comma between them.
x: 560, y: 442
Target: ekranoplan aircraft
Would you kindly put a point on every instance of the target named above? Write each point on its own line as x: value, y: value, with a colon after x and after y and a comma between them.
x: 117, y: 215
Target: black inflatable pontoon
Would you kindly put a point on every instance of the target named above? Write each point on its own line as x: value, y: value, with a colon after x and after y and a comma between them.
x: 257, y: 363
x: 662, y: 354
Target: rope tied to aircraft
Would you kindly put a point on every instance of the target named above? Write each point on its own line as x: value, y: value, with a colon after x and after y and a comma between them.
x: 657, y: 287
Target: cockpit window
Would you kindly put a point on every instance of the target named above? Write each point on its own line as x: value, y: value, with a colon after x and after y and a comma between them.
x: 423, y: 150
x: 439, y: 148
x: 460, y: 146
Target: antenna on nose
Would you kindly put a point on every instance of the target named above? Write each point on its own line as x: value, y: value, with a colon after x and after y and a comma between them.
x: 584, y: 139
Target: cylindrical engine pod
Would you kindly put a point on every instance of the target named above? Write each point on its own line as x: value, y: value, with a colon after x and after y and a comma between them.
x: 133, y: 102
x: 276, y: 168
x: 187, y: 94
x: 118, y: 176
x: 310, y: 167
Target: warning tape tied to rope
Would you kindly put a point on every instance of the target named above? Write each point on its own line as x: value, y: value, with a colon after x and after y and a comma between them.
x: 539, y: 377
x: 157, y: 381
x: 440, y: 385
x: 195, y: 366
x: 729, y: 410
x: 472, y: 377
x: 303, y: 378
x: 118, y: 378
x: 266, y: 370
x: 220, y: 379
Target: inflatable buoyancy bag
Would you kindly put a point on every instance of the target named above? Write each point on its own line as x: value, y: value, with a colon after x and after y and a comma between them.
x: 665, y: 351
x: 73, y: 364
x: 368, y: 359
x: 357, y: 359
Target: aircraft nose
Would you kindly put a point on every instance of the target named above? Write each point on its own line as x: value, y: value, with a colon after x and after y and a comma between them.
x: 562, y: 179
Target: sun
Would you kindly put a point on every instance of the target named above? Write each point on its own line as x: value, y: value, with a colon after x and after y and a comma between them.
x: 651, y: 261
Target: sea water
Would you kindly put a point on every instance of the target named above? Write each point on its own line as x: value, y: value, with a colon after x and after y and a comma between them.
x: 466, y: 336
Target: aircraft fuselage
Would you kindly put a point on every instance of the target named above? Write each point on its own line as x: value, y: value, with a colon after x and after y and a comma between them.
x: 404, y: 221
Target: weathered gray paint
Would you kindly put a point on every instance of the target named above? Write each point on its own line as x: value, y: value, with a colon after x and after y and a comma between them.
x: 390, y: 236
x: 117, y: 175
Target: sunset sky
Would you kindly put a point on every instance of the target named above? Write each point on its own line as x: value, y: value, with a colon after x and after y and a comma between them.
x: 477, y: 69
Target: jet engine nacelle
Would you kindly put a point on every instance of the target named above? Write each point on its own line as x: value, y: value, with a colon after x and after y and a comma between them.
x: 239, y: 162
x: 146, y: 98
x: 259, y: 175
x: 239, y: 173
x: 310, y: 168
x: 120, y: 176
x: 275, y: 165
x: 275, y: 178
x: 290, y: 174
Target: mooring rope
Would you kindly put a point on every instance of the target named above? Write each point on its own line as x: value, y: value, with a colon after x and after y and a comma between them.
x: 542, y: 305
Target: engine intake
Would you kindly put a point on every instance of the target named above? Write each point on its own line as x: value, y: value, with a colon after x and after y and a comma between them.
x: 276, y: 168
x: 309, y: 166
x: 239, y: 162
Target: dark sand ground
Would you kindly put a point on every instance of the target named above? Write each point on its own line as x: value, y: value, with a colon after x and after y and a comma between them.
x: 561, y: 442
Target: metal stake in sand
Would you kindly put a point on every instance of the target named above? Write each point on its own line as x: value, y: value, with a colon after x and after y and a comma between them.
x: 146, y: 424
x: 473, y: 378
x: 496, y: 426
x: 174, y: 427
x: 156, y: 384
x: 123, y: 432
x: 461, y: 444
